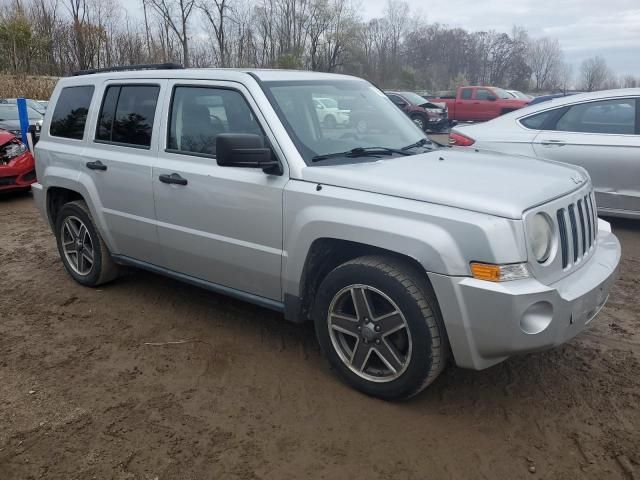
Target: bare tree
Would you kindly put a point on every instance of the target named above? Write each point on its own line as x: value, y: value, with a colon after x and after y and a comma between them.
x: 545, y: 60
x: 178, y: 24
x: 594, y: 73
x: 216, y: 13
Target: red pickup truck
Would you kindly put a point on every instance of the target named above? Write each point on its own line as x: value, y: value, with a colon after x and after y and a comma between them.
x: 479, y: 103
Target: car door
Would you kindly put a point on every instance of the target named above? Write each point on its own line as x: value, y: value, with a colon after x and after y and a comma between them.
x: 219, y: 224
x: 120, y: 154
x: 603, y: 137
x: 464, y: 105
x: 485, y: 106
x: 399, y: 102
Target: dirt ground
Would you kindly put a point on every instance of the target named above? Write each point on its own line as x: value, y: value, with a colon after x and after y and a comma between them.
x: 89, y: 388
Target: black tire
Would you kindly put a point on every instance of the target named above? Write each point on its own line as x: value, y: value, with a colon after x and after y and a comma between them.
x: 507, y: 110
x: 103, y: 269
x: 330, y: 121
x: 420, y: 121
x: 410, y: 290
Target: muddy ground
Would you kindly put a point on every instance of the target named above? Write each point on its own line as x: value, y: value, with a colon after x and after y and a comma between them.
x: 89, y: 388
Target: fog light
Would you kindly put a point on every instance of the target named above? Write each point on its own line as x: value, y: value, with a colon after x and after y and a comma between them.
x: 536, y: 318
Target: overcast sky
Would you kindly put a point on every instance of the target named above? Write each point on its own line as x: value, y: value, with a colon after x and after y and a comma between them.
x: 609, y: 28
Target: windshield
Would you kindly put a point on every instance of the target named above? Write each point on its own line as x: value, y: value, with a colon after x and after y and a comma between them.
x: 10, y: 112
x: 502, y: 93
x: 366, y: 119
x: 414, y: 98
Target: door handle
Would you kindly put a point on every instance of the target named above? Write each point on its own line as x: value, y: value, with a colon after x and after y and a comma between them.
x: 97, y: 165
x: 173, y: 178
x: 548, y: 143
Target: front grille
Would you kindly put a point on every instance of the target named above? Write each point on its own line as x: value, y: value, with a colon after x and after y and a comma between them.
x: 27, y: 177
x: 578, y: 234
x: 8, y: 180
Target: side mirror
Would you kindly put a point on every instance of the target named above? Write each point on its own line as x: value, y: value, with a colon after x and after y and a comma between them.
x: 492, y: 99
x: 247, y: 151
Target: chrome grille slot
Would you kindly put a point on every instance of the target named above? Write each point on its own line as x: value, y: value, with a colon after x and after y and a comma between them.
x: 588, y: 215
x: 574, y: 231
x: 564, y: 244
x: 583, y: 230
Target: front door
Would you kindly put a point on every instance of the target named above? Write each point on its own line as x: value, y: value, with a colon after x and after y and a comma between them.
x: 218, y: 224
x: 601, y: 136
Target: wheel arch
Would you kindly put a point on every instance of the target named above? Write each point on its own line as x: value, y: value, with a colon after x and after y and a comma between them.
x: 323, y: 256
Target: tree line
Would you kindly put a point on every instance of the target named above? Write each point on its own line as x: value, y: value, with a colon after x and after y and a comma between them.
x: 397, y: 50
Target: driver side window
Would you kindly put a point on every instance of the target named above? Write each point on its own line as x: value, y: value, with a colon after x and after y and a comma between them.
x: 200, y: 114
x: 484, y: 94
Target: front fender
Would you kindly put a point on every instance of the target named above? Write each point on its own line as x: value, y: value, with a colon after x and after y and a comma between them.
x: 442, y: 239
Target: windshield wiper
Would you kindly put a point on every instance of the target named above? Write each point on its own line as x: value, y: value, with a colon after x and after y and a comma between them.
x: 361, y: 152
x: 420, y: 143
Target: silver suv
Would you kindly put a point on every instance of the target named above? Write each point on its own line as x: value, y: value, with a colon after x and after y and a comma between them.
x: 403, y: 254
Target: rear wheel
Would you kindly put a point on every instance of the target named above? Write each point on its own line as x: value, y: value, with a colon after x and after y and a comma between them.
x: 378, y: 324
x: 82, y: 250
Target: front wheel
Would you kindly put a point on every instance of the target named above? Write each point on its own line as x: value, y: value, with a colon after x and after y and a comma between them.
x: 420, y: 121
x: 379, y: 325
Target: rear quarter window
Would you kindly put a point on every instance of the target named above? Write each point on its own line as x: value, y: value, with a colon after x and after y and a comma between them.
x: 70, y: 113
x: 535, y: 122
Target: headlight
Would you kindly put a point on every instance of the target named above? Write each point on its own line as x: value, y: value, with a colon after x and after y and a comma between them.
x: 11, y: 150
x: 540, y: 233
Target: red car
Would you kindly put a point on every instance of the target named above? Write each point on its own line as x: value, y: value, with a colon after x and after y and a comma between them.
x: 480, y: 103
x: 17, y: 168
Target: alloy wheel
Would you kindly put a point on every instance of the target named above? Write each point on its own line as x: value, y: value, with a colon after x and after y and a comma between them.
x: 77, y: 245
x: 369, y: 333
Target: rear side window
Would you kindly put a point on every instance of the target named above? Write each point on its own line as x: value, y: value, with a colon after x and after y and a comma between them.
x: 200, y: 114
x: 535, y: 122
x: 70, y: 113
x: 127, y: 114
x: 466, y: 93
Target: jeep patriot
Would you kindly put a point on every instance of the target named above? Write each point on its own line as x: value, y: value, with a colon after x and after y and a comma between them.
x: 403, y: 254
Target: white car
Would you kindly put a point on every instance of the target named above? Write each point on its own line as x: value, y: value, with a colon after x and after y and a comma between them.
x: 599, y: 131
x: 329, y: 113
x: 519, y: 95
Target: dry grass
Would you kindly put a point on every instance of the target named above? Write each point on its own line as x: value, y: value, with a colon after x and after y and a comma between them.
x: 39, y: 88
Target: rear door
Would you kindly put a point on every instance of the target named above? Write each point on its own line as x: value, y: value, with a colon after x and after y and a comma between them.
x: 603, y: 137
x: 219, y: 224
x: 119, y: 156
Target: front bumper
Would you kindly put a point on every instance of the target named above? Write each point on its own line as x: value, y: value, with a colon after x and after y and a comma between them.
x: 488, y: 322
x: 19, y: 173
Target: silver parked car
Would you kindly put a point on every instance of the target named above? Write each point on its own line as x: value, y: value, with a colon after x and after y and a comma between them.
x: 404, y: 255
x: 599, y: 131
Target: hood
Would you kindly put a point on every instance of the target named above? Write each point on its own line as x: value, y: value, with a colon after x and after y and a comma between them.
x: 481, y: 181
x: 433, y: 105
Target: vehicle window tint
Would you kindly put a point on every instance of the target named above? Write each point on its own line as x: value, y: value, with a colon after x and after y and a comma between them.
x: 535, y: 122
x: 127, y: 114
x: 70, y: 113
x: 484, y: 94
x: 395, y: 99
x: 466, y: 94
x: 607, y: 116
x: 200, y: 114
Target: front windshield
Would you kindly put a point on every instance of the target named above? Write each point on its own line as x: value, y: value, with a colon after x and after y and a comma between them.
x: 502, y: 93
x: 10, y: 112
x: 365, y: 118
x: 414, y: 98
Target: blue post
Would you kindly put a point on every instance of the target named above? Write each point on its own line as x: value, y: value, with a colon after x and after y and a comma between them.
x: 24, y: 119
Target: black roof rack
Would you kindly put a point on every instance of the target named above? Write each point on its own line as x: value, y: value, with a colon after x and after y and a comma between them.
x: 126, y: 68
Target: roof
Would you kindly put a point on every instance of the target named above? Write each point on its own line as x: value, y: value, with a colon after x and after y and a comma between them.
x: 230, y: 74
x: 581, y: 97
